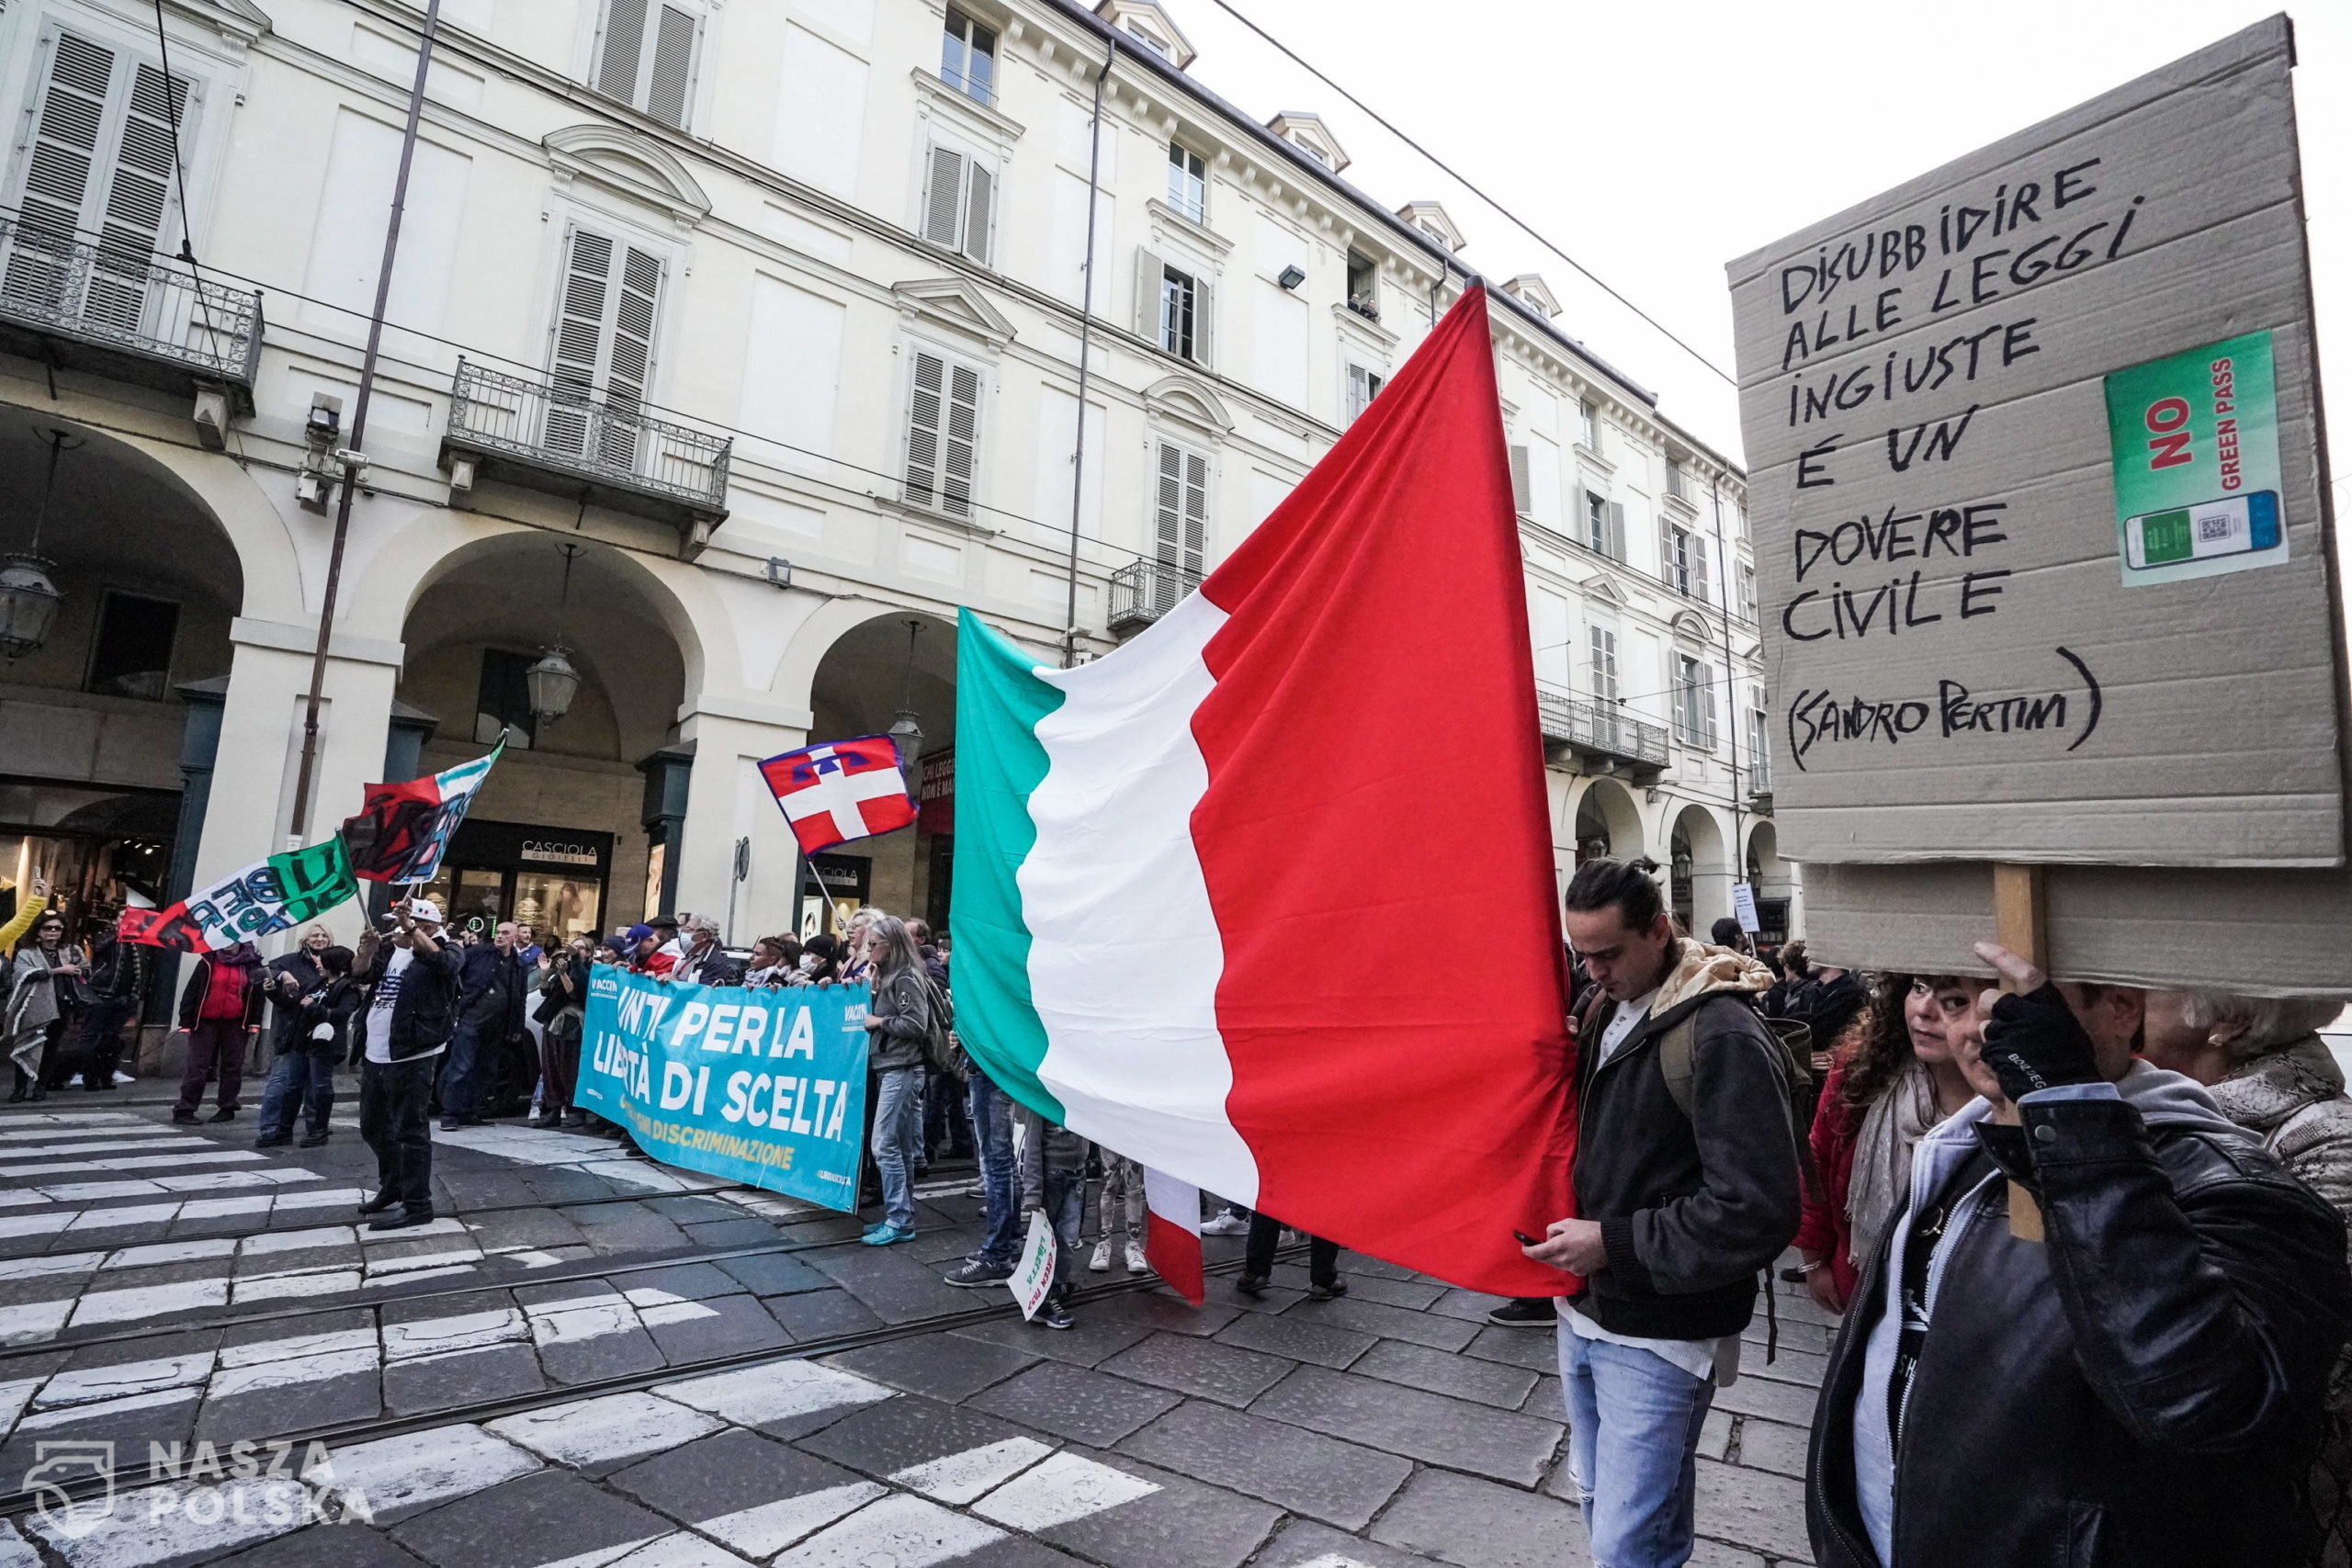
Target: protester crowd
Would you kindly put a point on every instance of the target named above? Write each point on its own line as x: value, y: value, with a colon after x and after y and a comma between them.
x: 2086, y: 1243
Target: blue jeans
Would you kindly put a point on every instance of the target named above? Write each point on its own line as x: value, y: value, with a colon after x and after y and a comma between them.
x: 1066, y: 1211
x: 897, y: 1139
x: 1000, y: 1183
x: 1633, y: 1435
x: 299, y: 1078
x: 461, y: 1071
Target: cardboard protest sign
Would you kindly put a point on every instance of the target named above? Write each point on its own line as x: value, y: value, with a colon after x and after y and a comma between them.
x: 1033, y: 1278
x: 765, y: 1086
x: 2038, y: 501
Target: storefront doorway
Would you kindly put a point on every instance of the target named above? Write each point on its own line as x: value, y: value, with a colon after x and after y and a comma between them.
x: 552, y: 877
x: 96, y: 846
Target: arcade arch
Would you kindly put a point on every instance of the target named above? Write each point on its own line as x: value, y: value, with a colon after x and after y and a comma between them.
x: 1700, y: 874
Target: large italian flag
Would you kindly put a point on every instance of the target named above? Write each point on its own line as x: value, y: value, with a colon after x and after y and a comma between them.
x: 1263, y: 899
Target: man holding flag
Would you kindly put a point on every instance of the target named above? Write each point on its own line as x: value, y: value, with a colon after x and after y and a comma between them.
x: 409, y: 1019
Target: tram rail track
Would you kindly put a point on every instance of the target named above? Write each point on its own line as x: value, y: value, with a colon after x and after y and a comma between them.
x: 351, y: 1434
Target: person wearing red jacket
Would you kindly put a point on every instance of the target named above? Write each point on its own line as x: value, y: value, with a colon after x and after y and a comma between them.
x: 1895, y: 1076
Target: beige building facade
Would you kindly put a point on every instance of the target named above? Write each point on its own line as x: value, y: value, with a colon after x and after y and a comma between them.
x: 732, y: 347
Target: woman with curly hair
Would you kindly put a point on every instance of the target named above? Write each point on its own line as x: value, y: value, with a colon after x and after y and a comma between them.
x: 1894, y: 1078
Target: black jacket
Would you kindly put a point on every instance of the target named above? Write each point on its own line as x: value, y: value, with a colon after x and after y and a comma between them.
x: 492, y: 986
x: 287, y: 1011
x: 2139, y: 1390
x: 118, y: 969
x: 426, y: 1010
x: 333, y: 1003
x: 1690, y: 1207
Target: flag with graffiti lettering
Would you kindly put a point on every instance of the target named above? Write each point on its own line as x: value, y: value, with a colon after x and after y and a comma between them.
x: 271, y: 894
x: 404, y: 830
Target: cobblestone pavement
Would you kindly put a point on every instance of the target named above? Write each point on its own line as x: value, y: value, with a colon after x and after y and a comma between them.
x: 594, y: 1362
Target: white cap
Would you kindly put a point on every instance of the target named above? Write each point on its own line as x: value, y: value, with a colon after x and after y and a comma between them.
x: 425, y: 910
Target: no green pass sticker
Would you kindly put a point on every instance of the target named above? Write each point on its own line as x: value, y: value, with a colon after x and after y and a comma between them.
x: 2193, y: 443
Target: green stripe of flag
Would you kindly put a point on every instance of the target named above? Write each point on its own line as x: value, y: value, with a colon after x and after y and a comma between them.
x: 999, y: 701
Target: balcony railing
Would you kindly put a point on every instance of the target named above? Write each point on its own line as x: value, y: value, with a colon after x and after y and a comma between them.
x: 546, y: 436
x: 132, y: 315
x: 1604, y: 729
x: 1143, y: 590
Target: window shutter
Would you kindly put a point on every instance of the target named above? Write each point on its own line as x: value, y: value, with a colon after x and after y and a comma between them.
x: 926, y: 416
x: 1196, y: 512
x: 674, y: 61
x: 1203, y: 321
x: 1520, y: 484
x: 1359, y: 391
x: 977, y: 211
x: 1149, y: 271
x: 579, y: 339
x: 1604, y: 664
x: 1669, y: 564
x: 624, y: 50
x: 1615, y: 548
x: 629, y: 360
x: 1700, y: 581
x: 960, y: 452
x: 1706, y: 707
x: 87, y: 170
x: 943, y: 202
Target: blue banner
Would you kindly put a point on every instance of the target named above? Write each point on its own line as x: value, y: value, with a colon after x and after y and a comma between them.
x: 760, y: 1086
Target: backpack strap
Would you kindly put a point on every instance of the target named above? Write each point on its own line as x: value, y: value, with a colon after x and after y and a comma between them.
x: 1676, y: 1049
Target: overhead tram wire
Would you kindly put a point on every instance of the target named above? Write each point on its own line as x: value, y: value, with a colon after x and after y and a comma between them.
x: 1465, y: 183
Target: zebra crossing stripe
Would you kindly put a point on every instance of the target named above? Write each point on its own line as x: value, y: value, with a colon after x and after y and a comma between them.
x: 1064, y: 1488
x: 965, y: 1477
x: 768, y: 1529
x: 901, y: 1530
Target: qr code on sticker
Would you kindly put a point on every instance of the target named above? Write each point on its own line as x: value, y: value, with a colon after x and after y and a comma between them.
x: 2212, y: 530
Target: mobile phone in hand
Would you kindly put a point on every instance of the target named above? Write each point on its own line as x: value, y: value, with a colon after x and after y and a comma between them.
x: 1526, y: 1240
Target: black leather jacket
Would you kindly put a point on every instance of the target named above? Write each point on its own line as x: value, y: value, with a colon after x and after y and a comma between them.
x: 2140, y: 1390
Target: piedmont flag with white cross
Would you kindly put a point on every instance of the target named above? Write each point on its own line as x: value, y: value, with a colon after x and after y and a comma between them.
x: 1263, y: 899
x: 840, y: 790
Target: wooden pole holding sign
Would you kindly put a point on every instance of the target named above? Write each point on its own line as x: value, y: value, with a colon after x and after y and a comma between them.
x: 2018, y: 924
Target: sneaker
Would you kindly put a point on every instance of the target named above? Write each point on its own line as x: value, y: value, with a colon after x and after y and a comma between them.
x: 976, y: 1273
x: 226, y: 1113
x: 885, y: 1235
x: 1136, y: 1262
x: 1525, y: 1312
x: 121, y: 1078
x: 1056, y: 1315
x: 401, y: 1221
x: 1225, y: 1224
x: 1330, y: 1292
x: 1251, y: 1285
x: 1101, y: 1262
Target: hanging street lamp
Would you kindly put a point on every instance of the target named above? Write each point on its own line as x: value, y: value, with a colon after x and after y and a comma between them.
x: 553, y: 681
x: 906, y: 729
x: 28, y: 599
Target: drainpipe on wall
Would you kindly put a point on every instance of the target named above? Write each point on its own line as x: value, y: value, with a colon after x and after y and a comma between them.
x: 1731, y: 686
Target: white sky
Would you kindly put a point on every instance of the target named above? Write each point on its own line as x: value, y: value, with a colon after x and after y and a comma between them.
x: 1655, y: 142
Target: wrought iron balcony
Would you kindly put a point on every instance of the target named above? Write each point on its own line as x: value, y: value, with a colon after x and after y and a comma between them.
x: 545, y: 435
x: 128, y: 315
x: 1143, y: 590
x: 1603, y: 731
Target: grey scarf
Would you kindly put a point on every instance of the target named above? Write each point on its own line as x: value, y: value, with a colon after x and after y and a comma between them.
x: 1879, y: 1188
x: 32, y: 1000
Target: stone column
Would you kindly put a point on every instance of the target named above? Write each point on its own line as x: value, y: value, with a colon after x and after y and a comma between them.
x: 727, y: 801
